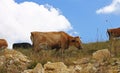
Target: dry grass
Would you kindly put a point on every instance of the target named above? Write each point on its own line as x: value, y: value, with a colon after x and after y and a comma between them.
x: 69, y: 55
x: 72, y: 54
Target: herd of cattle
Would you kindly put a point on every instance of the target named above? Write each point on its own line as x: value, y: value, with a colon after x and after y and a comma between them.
x: 55, y: 40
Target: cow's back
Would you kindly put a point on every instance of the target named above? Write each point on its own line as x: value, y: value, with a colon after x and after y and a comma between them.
x: 23, y: 45
x: 3, y: 43
x: 51, y: 39
x: 40, y: 37
x: 115, y: 32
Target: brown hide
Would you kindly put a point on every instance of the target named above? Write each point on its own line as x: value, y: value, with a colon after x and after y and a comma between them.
x: 3, y: 43
x: 113, y: 33
x: 53, y: 40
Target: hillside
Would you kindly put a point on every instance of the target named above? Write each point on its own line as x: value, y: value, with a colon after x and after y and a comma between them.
x: 73, y: 56
x: 72, y: 53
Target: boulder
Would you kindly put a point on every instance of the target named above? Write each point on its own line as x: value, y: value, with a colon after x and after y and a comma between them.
x: 102, y: 55
x: 37, y: 69
x: 113, y: 71
x: 75, y: 69
x: 28, y: 71
x: 81, y: 61
x: 2, y: 60
x: 57, y: 67
x: 89, y: 69
x: 13, y: 61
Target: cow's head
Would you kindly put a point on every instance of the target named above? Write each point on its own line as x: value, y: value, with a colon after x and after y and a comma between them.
x: 32, y: 35
x: 75, y: 41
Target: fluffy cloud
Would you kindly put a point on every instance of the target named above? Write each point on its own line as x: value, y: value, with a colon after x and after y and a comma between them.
x: 114, y: 7
x: 18, y: 20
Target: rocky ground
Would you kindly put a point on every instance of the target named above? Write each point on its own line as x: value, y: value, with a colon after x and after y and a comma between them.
x: 101, y: 61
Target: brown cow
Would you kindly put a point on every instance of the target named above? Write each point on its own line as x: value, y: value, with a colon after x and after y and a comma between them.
x: 113, y: 33
x: 3, y: 43
x: 54, y: 40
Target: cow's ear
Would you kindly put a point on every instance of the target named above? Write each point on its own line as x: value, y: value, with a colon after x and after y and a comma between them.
x: 31, y: 33
x: 77, y: 37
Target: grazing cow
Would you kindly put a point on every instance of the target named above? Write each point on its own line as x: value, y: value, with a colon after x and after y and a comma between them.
x: 113, y: 33
x: 3, y: 43
x: 54, y: 40
x: 22, y: 45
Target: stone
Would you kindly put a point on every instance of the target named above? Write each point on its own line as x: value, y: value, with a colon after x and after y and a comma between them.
x: 37, y: 69
x: 113, y: 71
x: 13, y: 61
x: 2, y: 60
x: 75, y: 69
x: 89, y: 69
x: 57, y: 67
x: 28, y: 71
x: 81, y: 61
x: 84, y: 60
x: 102, y: 55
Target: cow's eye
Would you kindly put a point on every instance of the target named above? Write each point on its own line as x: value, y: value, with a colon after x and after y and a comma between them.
x: 73, y: 40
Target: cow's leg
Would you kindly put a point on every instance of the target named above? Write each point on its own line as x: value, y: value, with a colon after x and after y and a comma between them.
x: 64, y: 46
x: 56, y: 49
x: 45, y: 46
x: 36, y: 47
x: 3, y: 47
x: 111, y: 37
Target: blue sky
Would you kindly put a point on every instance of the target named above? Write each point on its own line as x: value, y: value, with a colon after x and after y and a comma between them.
x: 88, y: 19
x: 82, y: 15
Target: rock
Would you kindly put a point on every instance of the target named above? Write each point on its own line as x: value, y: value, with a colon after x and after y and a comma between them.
x: 37, y: 69
x: 2, y: 60
x: 102, y: 55
x: 85, y: 68
x: 57, y: 67
x: 75, y: 69
x: 81, y: 61
x: 18, y: 56
x: 115, y: 61
x: 96, y: 65
x: 89, y: 69
x: 13, y: 61
x: 28, y: 71
x: 84, y: 60
x: 113, y: 69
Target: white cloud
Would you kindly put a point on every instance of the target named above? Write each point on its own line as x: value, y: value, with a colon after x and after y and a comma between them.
x: 114, y: 7
x: 18, y: 20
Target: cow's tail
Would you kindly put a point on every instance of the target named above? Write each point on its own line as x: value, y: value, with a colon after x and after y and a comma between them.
x: 107, y: 34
